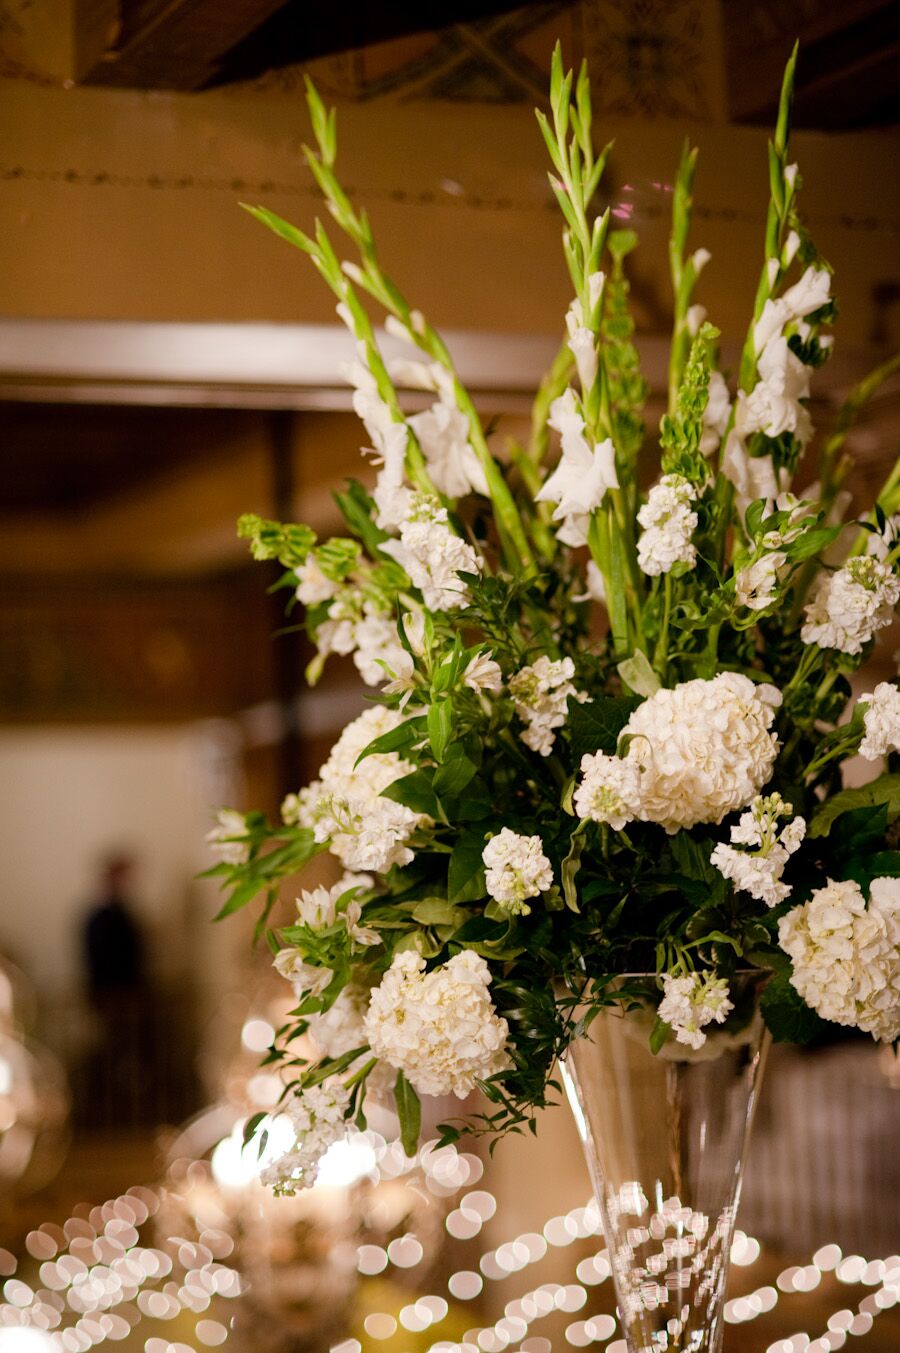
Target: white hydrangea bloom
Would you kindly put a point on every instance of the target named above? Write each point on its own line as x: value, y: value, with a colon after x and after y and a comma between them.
x: 756, y: 585
x: 691, y: 1002
x: 669, y: 521
x: 443, y: 435
x: 517, y: 868
x: 716, y: 414
x: 757, y: 869
x: 846, y: 956
x: 313, y: 585
x: 580, y: 480
x: 702, y: 750
x: 433, y: 555
x: 344, y: 806
x: 439, y: 1028
x: 881, y: 720
x: 482, y: 673
x: 610, y: 790
x: 317, y: 1116
x: 540, y: 694
x: 851, y: 605
x: 774, y: 406
x: 228, y: 838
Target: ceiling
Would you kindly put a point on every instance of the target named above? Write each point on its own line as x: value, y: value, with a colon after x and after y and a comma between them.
x: 476, y: 50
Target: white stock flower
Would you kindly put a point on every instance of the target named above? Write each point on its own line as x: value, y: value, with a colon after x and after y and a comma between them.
x: 317, y: 1116
x: 702, y: 750
x: 809, y: 294
x: 433, y: 555
x: 313, y: 585
x: 318, y: 909
x: 517, y: 868
x: 439, y: 1028
x: 756, y: 585
x: 757, y: 869
x: 482, y: 673
x: 715, y: 415
x: 851, y: 605
x: 379, y: 652
x: 540, y: 694
x: 443, y: 434
x: 609, y: 791
x: 228, y: 838
x: 882, y: 721
x: 580, y: 480
x: 341, y: 1028
x: 846, y: 956
x: 691, y: 1002
x: 344, y: 806
x: 669, y: 522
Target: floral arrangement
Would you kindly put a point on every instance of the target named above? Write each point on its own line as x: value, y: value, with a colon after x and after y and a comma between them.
x: 603, y: 759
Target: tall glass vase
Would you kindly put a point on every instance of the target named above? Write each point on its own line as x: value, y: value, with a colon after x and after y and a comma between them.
x: 665, y: 1138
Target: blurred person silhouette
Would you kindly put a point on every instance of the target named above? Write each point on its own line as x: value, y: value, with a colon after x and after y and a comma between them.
x: 117, y: 1078
x: 113, y: 944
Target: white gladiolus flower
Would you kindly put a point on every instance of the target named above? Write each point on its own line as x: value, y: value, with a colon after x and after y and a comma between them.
x: 804, y: 297
x: 582, y: 342
x: 774, y: 406
x: 540, y: 694
x: 757, y: 869
x: 344, y: 806
x: 433, y: 555
x: 752, y: 476
x: 756, y: 585
x: 881, y: 543
x: 846, y: 956
x: 882, y: 721
x: 594, y: 586
x: 695, y: 316
x: 610, y: 790
x: 851, y: 605
x: 317, y: 1116
x: 715, y: 415
x: 443, y: 434
x: 702, y: 750
x: 439, y: 1028
x: 306, y: 978
x: 391, y: 495
x: 482, y: 673
x: 517, y: 868
x: 313, y: 586
x: 580, y: 480
x: 228, y: 838
x: 691, y: 1002
x: 669, y: 522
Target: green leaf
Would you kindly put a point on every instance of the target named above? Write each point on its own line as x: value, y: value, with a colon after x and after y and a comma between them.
x: 440, y: 727
x: 595, y: 725
x: 857, y: 832
x: 437, y: 911
x: 398, y: 739
x: 414, y: 791
x: 409, y: 1111
x: 456, y: 772
x: 465, y: 876
x: 787, y: 1015
x: 637, y: 673
x: 571, y: 864
x: 884, y: 790
x: 659, y: 1035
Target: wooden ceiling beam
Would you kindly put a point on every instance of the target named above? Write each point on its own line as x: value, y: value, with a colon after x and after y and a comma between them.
x: 166, y: 44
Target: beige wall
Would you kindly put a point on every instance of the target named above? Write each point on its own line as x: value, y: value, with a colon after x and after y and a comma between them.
x: 124, y: 205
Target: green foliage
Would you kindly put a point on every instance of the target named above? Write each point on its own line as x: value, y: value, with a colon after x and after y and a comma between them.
x: 788, y: 1017
x: 289, y: 544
